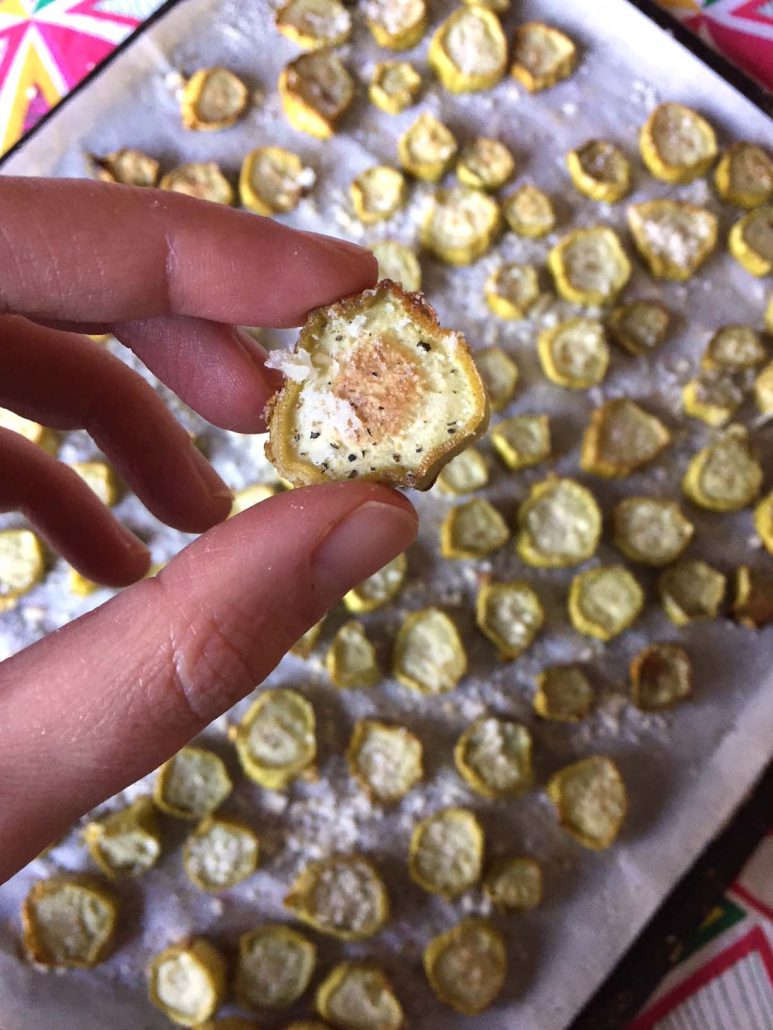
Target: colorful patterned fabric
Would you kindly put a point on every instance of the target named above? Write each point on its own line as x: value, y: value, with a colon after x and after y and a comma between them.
x: 48, y: 46
x: 725, y: 980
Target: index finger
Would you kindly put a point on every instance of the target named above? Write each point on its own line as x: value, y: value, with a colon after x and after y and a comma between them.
x: 76, y: 250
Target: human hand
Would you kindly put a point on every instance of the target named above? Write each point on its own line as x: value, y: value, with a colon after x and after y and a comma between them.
x: 103, y: 701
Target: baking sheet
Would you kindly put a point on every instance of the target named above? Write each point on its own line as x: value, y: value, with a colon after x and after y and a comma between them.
x: 686, y: 771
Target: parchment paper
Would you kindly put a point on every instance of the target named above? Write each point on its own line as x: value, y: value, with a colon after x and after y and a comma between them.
x: 686, y: 771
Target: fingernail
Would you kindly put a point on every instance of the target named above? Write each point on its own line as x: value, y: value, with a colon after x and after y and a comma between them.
x: 210, y: 480
x: 360, y: 545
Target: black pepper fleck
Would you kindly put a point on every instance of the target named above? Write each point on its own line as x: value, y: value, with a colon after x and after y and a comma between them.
x: 315, y: 435
x: 352, y: 457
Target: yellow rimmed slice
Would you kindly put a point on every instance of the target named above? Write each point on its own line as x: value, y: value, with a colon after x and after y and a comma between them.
x: 621, y: 438
x: 713, y: 396
x: 304, y: 645
x: 446, y: 852
x: 68, y: 921
x: 192, y: 784
x: 661, y: 676
x: 753, y: 600
x: 512, y: 290
x: 559, y: 524
x: 276, y: 739
x: 429, y: 655
x: 394, y: 86
x: 514, y: 884
x: 691, y: 590
x: 494, y: 756
x: 589, y: 266
x: 763, y: 389
x: 460, y: 225
x: 590, y: 800
x: 744, y: 175
x: 522, y: 441
x: 351, y: 660
x: 529, y: 212
x: 273, y: 180
x: 510, y: 615
x: 651, y: 530
x: 468, y: 51
x: 763, y: 521
x: 677, y: 144
x: 274, y: 967
x: 314, y: 23
x: 315, y: 90
x: 574, y: 354
x: 376, y: 389
x: 499, y: 374
x: 542, y: 56
x: 377, y: 193
x: 600, y: 170
x: 214, y: 98
x: 467, y: 473
x: 564, y: 693
x: 726, y: 474
x: 385, y: 760
x: 674, y: 238
x: 128, y: 166
x: 188, y: 981
x: 735, y: 348
x: 357, y: 996
x: 466, y: 966
x: 605, y: 601
x: 100, y: 478
x: 126, y: 842
x: 380, y: 588
x: 22, y: 565
x: 398, y: 263
x: 485, y: 163
x: 396, y: 24
x: 640, y: 326
x: 342, y: 896
x: 751, y: 241
x: 203, y: 180
x: 220, y: 853
x: 473, y: 530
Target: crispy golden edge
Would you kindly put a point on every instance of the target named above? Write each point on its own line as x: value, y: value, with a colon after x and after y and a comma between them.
x: 193, y: 90
x: 562, y: 70
x: 287, y: 934
x: 209, y: 960
x: 590, y: 457
x: 438, y: 945
x: 659, y: 265
x: 270, y: 777
x: 464, y: 815
x: 555, y: 793
x: 278, y: 448
x: 671, y: 655
x: 204, y: 826
x: 32, y: 944
x: 359, y: 737
x: 477, y: 783
x: 523, y: 544
x: 338, y: 975
x: 159, y: 787
x: 657, y: 164
x: 583, y: 623
x: 399, y: 649
x: 454, y: 79
x: 754, y: 262
x: 506, y: 651
x: 296, y: 899
x: 575, y: 294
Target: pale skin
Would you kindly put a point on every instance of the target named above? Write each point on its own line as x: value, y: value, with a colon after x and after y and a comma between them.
x: 103, y: 701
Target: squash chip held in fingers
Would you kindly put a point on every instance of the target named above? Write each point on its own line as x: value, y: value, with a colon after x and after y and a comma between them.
x: 751, y: 241
x: 394, y: 86
x: 188, y: 982
x: 466, y: 966
x: 674, y: 238
x: 661, y: 676
x: 313, y: 24
x: 725, y: 475
x: 460, y: 225
x: 315, y: 90
x: 274, y: 967
x: 677, y: 144
x: 621, y: 438
x: 559, y: 524
x: 375, y: 390
x: 600, y: 170
x: 494, y: 756
x: 273, y: 180
x: 385, y: 760
x: 276, y: 739
x: 744, y: 175
x: 446, y: 852
x: 214, y: 98
x: 542, y: 56
x: 591, y: 801
x: 429, y: 655
x: 68, y: 922
x: 358, y: 995
x: 468, y: 51
x: 589, y: 266
x: 342, y: 896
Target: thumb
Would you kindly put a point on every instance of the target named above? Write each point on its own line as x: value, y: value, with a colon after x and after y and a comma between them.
x: 106, y: 699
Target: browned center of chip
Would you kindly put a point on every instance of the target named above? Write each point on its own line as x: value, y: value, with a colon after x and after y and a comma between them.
x: 383, y: 383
